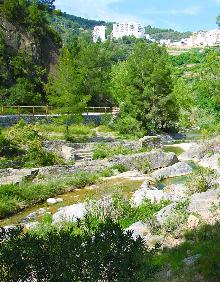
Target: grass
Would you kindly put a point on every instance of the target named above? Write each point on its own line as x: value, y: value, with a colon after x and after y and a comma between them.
x: 103, y: 151
x: 204, y: 241
x: 120, y: 209
x: 174, y: 149
x: 14, y: 198
x: 54, y: 131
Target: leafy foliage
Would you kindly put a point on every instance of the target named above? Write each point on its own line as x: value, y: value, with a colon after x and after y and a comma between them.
x: 201, y: 180
x: 142, y: 87
x: 80, y: 253
x: 158, y: 33
x: 23, y: 70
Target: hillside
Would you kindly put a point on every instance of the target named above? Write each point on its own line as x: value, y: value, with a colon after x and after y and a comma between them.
x: 68, y: 25
x: 28, y: 52
x: 158, y: 33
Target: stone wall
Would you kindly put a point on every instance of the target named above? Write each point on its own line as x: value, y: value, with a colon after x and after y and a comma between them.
x: 157, y: 159
x: 9, y: 120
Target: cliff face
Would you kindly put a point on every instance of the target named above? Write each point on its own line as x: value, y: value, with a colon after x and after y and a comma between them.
x: 16, y: 38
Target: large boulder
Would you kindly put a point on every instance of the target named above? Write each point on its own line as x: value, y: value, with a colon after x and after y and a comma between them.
x: 175, y: 170
x: 200, y: 204
x: 211, y: 162
x: 70, y: 213
x: 147, y: 194
x: 16, y: 176
x: 155, y: 158
x: 138, y: 229
x: 176, y: 191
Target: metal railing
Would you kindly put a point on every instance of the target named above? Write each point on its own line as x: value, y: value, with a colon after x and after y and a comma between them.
x: 49, y: 110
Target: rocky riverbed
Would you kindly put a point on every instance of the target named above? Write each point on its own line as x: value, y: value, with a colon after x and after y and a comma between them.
x: 164, y: 182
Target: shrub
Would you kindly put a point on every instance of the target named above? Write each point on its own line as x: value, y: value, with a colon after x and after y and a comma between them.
x: 103, y: 151
x: 28, y: 139
x: 83, y: 253
x: 7, y: 149
x: 120, y: 167
x: 120, y: 209
x: 178, y: 217
x: 129, y: 126
x: 108, y: 172
x: 200, y: 181
x: 143, y: 165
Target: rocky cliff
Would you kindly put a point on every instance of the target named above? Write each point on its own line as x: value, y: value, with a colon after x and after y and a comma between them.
x: 17, y: 38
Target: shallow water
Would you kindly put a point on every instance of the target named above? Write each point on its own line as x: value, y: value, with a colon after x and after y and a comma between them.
x: 105, y: 187
x: 179, y: 179
x: 173, y: 149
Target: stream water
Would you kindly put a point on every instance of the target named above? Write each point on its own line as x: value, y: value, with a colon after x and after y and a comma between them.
x: 105, y: 187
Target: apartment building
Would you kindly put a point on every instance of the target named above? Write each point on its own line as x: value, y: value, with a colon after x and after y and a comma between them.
x: 99, y: 33
x: 128, y: 29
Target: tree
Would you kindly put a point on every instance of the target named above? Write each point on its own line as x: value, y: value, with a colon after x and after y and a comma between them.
x: 86, y: 253
x: 218, y: 21
x: 142, y: 86
x: 48, y: 3
x: 82, y: 76
x: 207, y: 86
x: 65, y: 87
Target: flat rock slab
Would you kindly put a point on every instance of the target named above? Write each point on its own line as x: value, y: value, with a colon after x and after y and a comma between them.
x: 16, y: 176
x: 199, y: 203
x: 148, y: 194
x: 156, y: 159
x: 70, y: 213
x: 175, y: 170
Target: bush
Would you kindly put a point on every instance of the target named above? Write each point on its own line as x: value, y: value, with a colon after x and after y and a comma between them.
x: 178, y: 217
x: 143, y: 165
x: 200, y: 181
x: 120, y: 209
x: 103, y: 151
x: 83, y: 253
x: 129, y: 126
x: 120, y: 167
x: 7, y: 149
x: 27, y: 138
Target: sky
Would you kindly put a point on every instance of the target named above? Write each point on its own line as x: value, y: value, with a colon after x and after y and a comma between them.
x: 182, y: 15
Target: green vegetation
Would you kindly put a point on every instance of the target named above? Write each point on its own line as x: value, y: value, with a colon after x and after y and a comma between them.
x: 14, y: 197
x: 120, y: 209
x: 158, y: 33
x: 23, y: 145
x: 143, y: 90
x: 205, y: 242
x: 177, y: 218
x: 201, y: 180
x: 75, y: 253
x: 23, y: 71
x: 103, y: 151
x: 60, y: 130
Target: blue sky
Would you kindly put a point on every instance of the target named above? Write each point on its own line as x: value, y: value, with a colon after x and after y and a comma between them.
x: 181, y: 15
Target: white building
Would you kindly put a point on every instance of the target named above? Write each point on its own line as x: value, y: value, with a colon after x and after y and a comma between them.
x: 206, y: 38
x: 128, y: 29
x: 165, y: 41
x: 99, y: 33
x: 199, y: 39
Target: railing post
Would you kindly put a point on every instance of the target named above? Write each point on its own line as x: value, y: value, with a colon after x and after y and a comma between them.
x: 47, y: 113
